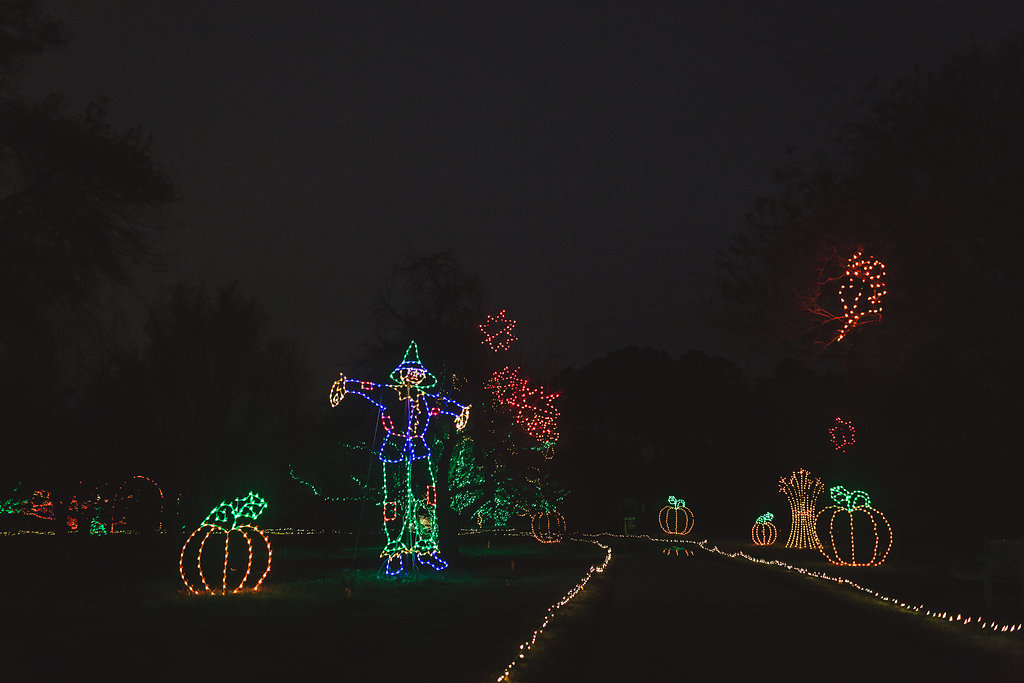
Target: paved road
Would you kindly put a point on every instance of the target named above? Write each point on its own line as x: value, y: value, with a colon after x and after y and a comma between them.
x: 707, y: 618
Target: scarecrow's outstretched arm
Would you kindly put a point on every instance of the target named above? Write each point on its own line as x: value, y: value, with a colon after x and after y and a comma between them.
x: 446, y: 406
x: 344, y: 386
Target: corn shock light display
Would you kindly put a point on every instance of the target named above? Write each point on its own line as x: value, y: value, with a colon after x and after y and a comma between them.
x: 675, y: 518
x: 236, y: 571
x: 842, y: 434
x: 850, y: 519
x: 802, y: 493
x: 410, y: 473
x: 764, y: 532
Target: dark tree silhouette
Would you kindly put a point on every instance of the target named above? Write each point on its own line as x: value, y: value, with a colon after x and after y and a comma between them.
x: 79, y: 202
x: 222, y: 401
x: 928, y: 182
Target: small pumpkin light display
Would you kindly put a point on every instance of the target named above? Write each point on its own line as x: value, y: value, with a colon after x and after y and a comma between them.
x: 548, y: 526
x: 675, y: 518
x: 858, y: 534
x: 764, y: 532
x: 677, y: 550
x: 242, y: 567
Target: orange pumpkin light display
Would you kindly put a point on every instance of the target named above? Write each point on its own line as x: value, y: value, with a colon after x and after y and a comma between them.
x: 548, y: 527
x: 234, y: 575
x: 856, y: 520
x: 763, y: 531
x: 675, y: 518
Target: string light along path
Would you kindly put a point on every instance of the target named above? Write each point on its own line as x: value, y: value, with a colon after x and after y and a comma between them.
x: 699, y: 619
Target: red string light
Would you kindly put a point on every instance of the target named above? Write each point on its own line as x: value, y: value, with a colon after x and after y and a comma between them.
x: 497, y: 331
x: 533, y: 407
x: 842, y: 434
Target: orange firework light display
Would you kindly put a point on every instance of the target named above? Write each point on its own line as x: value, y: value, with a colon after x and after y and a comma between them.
x: 862, y: 291
x: 802, y: 493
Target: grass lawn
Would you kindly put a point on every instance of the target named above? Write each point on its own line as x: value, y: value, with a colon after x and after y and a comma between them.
x: 114, y: 608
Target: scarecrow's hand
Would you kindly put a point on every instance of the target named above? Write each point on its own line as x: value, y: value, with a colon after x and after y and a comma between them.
x: 338, y: 390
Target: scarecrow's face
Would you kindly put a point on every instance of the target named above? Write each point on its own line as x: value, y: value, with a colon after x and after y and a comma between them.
x: 411, y: 377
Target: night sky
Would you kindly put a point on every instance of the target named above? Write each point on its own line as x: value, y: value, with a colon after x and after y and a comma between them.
x: 587, y: 165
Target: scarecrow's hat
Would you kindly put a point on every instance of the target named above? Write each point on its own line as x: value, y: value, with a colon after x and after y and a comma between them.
x: 412, y: 362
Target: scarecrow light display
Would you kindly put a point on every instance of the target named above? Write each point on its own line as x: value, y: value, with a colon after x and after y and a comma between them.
x: 408, y: 496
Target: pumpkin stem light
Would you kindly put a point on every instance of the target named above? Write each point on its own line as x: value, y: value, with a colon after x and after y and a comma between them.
x: 676, y: 502
x: 849, y: 500
x: 230, y: 514
x: 765, y: 518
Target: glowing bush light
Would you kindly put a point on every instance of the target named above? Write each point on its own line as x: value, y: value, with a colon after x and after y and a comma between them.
x: 857, y: 519
x: 862, y: 292
x: 548, y: 527
x: 233, y: 520
x: 675, y: 518
x: 842, y: 434
x: 802, y: 493
x: 410, y: 473
x: 40, y: 505
x: 497, y: 331
x: 764, y: 532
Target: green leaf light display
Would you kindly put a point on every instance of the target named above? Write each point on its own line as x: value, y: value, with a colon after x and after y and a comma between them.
x: 764, y: 532
x: 236, y: 521
x: 675, y: 518
x: 858, y: 534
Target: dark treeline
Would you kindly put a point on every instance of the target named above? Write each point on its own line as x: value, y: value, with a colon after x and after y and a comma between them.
x: 211, y: 407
